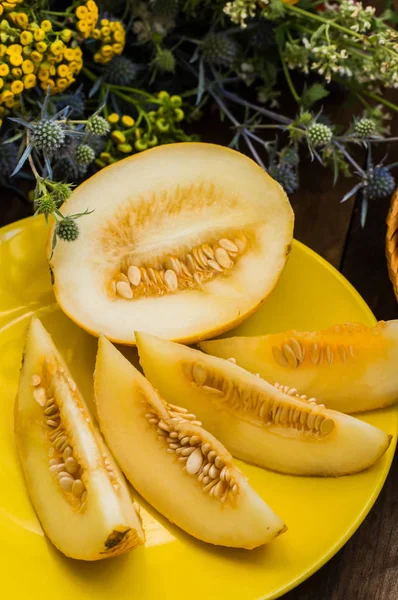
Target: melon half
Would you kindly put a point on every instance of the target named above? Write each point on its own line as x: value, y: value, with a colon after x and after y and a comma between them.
x: 185, y: 241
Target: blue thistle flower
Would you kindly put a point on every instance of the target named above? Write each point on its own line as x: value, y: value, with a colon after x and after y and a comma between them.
x: 285, y: 175
x: 84, y: 154
x: 120, y: 71
x: 378, y: 183
x: 47, y: 135
x: 220, y: 49
x: 67, y: 230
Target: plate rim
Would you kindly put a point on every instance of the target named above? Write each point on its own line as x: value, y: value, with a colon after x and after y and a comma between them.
x: 332, y: 551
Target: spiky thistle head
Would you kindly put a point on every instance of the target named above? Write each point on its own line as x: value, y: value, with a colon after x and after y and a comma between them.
x: 319, y: 134
x: 365, y: 127
x: 120, y: 71
x: 62, y: 192
x: 220, y: 49
x: 285, y: 175
x: 67, y: 230
x: 47, y: 135
x: 164, y: 60
x: 378, y: 183
x: 97, y: 125
x: 84, y: 154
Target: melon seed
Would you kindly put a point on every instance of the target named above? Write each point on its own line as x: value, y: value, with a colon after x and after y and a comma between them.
x: 78, y: 488
x: 228, y: 245
x: 171, y: 280
x: 71, y: 465
x: 124, y: 290
x: 194, y: 462
x: 134, y: 275
x: 66, y: 483
x: 223, y: 258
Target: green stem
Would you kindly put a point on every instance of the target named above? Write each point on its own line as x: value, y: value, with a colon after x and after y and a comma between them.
x: 364, y: 102
x: 315, y: 17
x: 114, y: 88
x: 380, y: 99
x: 287, y: 76
x: 58, y: 14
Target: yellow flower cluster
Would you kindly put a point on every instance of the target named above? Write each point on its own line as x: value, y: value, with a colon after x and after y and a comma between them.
x: 87, y: 17
x: 33, y: 53
x: 7, y: 6
x: 112, y: 36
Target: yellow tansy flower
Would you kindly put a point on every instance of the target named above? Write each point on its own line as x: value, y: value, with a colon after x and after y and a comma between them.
x: 78, y: 52
x: 113, y: 118
x: 69, y: 54
x: 3, y: 50
x: 96, y: 34
x: 1, y: 82
x: 62, y: 70
x: 52, y: 70
x: 104, y: 22
x: 4, y: 69
x: 17, y: 72
x: 83, y: 27
x: 26, y: 38
x: 119, y: 36
x: 117, y: 48
x: 118, y: 137
x: 17, y: 87
x: 36, y: 56
x: 66, y: 35
x: 57, y: 47
x: 29, y: 81
x: 26, y: 51
x: 16, y: 60
x: 50, y: 83
x: 81, y: 12
x: 127, y: 121
x: 22, y: 20
x: 106, y: 50
x: 43, y: 74
x: 14, y: 49
x: 28, y: 67
x: 39, y: 35
x: 62, y: 82
x: 105, y: 31
x: 92, y: 6
x: 41, y: 46
x: 46, y: 25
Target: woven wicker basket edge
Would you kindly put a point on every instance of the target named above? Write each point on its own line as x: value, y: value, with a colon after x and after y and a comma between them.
x: 392, y: 242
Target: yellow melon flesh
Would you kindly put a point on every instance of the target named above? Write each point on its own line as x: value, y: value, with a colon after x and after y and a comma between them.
x: 79, y: 494
x: 185, y: 241
x: 177, y: 466
x: 349, y: 367
x: 256, y: 421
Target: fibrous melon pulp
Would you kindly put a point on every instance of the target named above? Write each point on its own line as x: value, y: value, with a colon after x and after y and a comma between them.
x: 185, y: 240
x: 76, y: 488
x: 350, y: 367
x: 270, y: 426
x: 177, y: 466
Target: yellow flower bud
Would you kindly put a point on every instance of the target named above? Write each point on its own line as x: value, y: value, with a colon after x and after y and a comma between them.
x: 22, y: 20
x: 57, y: 47
x: 17, y: 87
x: 118, y: 137
x: 26, y: 38
x: 4, y: 69
x: 37, y: 57
x: 127, y: 121
x: 125, y: 148
x: 29, y: 81
x: 66, y: 35
x: 46, y: 25
x: 81, y: 12
x: 113, y: 118
x: 16, y: 60
x: 41, y: 46
x: 104, y: 22
x: 39, y: 35
x: 17, y: 72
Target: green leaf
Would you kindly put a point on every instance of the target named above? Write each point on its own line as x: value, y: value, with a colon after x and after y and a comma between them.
x: 314, y: 93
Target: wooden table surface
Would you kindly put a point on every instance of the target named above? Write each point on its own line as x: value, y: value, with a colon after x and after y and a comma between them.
x: 367, y: 567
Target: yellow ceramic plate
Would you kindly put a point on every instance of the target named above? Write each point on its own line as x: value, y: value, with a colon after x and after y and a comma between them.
x: 321, y: 513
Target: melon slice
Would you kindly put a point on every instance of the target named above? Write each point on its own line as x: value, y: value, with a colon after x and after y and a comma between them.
x: 350, y: 367
x: 270, y: 426
x: 177, y: 466
x: 77, y: 490
x: 185, y: 241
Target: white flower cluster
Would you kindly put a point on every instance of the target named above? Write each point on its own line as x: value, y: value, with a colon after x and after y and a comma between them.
x: 241, y: 10
x: 355, y: 17
x: 328, y: 59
